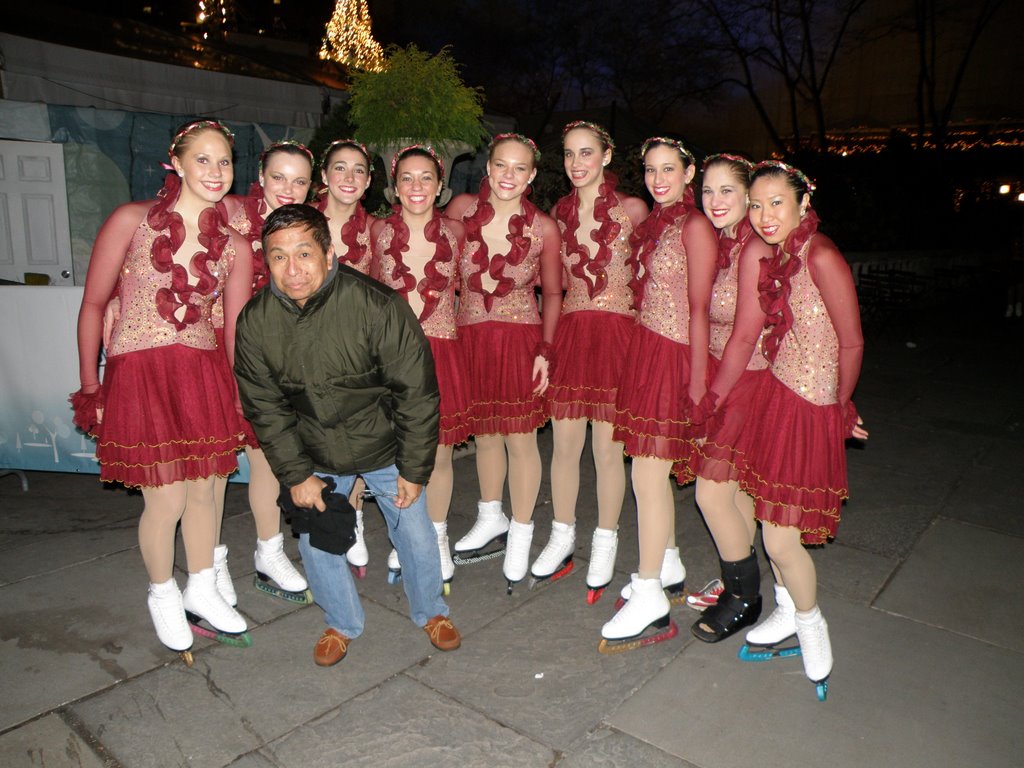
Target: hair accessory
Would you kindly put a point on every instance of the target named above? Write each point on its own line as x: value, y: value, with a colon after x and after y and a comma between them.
x: 515, y: 137
x: 602, y: 134
x: 789, y: 170
x: 345, y: 143
x: 674, y: 143
x: 422, y: 147
x: 286, y: 143
x: 725, y: 156
x: 196, y: 126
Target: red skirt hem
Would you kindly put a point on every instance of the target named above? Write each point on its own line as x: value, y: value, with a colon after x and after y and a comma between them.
x: 450, y: 367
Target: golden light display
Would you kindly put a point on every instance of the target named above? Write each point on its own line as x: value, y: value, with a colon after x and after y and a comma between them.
x: 215, y: 16
x: 349, y: 40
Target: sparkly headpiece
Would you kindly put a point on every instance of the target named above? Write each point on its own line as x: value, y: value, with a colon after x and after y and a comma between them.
x: 346, y: 143
x: 600, y: 132
x: 674, y: 143
x: 422, y: 148
x: 805, y: 181
x: 747, y: 165
x: 280, y: 145
x: 199, y: 125
x: 525, y: 140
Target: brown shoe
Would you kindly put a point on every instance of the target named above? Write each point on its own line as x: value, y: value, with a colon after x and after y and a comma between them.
x: 330, y: 648
x: 443, y: 634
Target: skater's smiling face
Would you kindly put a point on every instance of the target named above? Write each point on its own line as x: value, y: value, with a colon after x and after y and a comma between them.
x: 775, y: 208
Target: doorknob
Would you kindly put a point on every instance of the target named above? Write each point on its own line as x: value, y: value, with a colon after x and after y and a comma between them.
x: 65, y: 273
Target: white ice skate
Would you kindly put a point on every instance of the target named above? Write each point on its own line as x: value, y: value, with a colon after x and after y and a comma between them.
x: 555, y: 560
x: 224, y: 584
x: 517, y: 552
x: 767, y: 640
x: 394, y: 567
x: 673, y: 579
x: 815, y: 648
x: 202, y: 601
x: 601, y: 570
x: 357, y: 554
x: 273, y: 565
x: 490, y: 528
x: 168, y: 614
x: 647, y: 610
x: 447, y: 566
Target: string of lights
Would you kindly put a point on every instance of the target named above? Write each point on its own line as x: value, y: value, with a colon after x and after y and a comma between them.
x: 348, y: 38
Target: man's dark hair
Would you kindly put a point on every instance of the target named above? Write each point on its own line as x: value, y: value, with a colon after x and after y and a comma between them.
x: 297, y: 215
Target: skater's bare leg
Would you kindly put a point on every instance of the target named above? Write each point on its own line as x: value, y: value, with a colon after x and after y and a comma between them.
x: 793, y: 564
x: 439, y: 487
x: 655, y: 512
x: 263, y: 492
x: 524, y: 471
x: 745, y: 504
x: 164, y: 506
x: 569, y: 435
x: 717, y: 502
x: 197, y: 524
x: 220, y: 490
x: 355, y: 497
x: 611, y: 474
x: 491, y: 466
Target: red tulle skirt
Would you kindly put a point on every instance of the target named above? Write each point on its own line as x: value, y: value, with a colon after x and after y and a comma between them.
x: 169, y: 416
x: 718, y: 458
x: 590, y: 355
x: 450, y: 366
x: 653, y: 401
x: 499, y: 359
x: 249, y: 439
x: 797, y: 461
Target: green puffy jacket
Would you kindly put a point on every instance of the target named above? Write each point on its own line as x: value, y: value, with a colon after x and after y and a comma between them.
x: 342, y: 385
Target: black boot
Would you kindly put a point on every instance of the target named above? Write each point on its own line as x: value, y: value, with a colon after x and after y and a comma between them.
x: 738, y: 606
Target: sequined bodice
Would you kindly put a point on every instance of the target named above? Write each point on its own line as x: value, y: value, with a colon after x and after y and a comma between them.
x: 520, y: 304
x: 361, y: 264
x: 140, y: 325
x: 724, y: 296
x: 665, y: 307
x: 617, y: 295
x: 808, y: 358
x: 437, y: 319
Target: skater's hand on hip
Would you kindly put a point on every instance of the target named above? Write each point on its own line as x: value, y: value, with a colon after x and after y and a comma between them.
x: 307, y: 494
x: 407, y: 493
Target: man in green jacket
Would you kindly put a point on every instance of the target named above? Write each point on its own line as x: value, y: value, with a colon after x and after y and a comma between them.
x: 337, y: 379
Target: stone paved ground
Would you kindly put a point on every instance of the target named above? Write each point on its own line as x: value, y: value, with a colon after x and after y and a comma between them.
x: 922, y: 592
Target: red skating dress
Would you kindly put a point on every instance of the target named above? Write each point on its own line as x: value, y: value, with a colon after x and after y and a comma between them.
x: 652, y: 407
x: 500, y: 329
x: 802, y: 414
x: 737, y: 365
x: 598, y: 313
x: 169, y: 410
x: 437, y: 290
x: 355, y: 249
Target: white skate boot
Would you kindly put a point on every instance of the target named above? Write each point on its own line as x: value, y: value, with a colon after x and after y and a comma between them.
x: 394, y: 567
x: 447, y: 566
x: 815, y: 648
x: 224, y: 584
x: 673, y: 578
x: 202, y: 601
x: 648, y: 608
x: 357, y: 554
x: 767, y: 640
x: 555, y: 560
x: 272, y: 564
x: 517, y: 552
x: 603, y: 549
x: 491, y: 526
x: 168, y: 616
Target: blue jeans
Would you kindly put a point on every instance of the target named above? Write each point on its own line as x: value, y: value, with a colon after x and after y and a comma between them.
x: 412, y: 534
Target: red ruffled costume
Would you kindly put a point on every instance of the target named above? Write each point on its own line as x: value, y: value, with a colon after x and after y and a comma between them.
x: 802, y: 415
x: 354, y: 250
x: 437, y: 291
x: 598, y: 313
x: 168, y: 395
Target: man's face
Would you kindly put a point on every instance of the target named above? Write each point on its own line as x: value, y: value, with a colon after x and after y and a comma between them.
x: 298, y: 265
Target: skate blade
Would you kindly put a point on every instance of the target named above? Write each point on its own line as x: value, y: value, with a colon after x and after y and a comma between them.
x: 359, y: 571
x: 266, y: 587
x: 394, y: 577
x: 821, y: 689
x: 563, y: 571
x: 447, y: 588
x: 766, y: 652
x: 609, y: 647
x: 594, y: 594
x: 186, y: 656
x: 706, y: 597
x: 237, y: 640
x: 477, y: 556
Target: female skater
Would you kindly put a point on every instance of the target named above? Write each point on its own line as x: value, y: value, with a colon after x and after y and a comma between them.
x: 286, y: 169
x: 165, y: 414
x: 416, y: 252
x: 735, y: 370
x: 597, y: 321
x: 507, y: 342
x: 803, y: 413
x: 676, y: 252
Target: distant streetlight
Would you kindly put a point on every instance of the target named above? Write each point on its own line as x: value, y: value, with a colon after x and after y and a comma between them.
x: 1004, y: 189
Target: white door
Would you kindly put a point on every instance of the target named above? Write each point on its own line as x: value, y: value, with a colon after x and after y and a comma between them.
x: 35, y: 236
